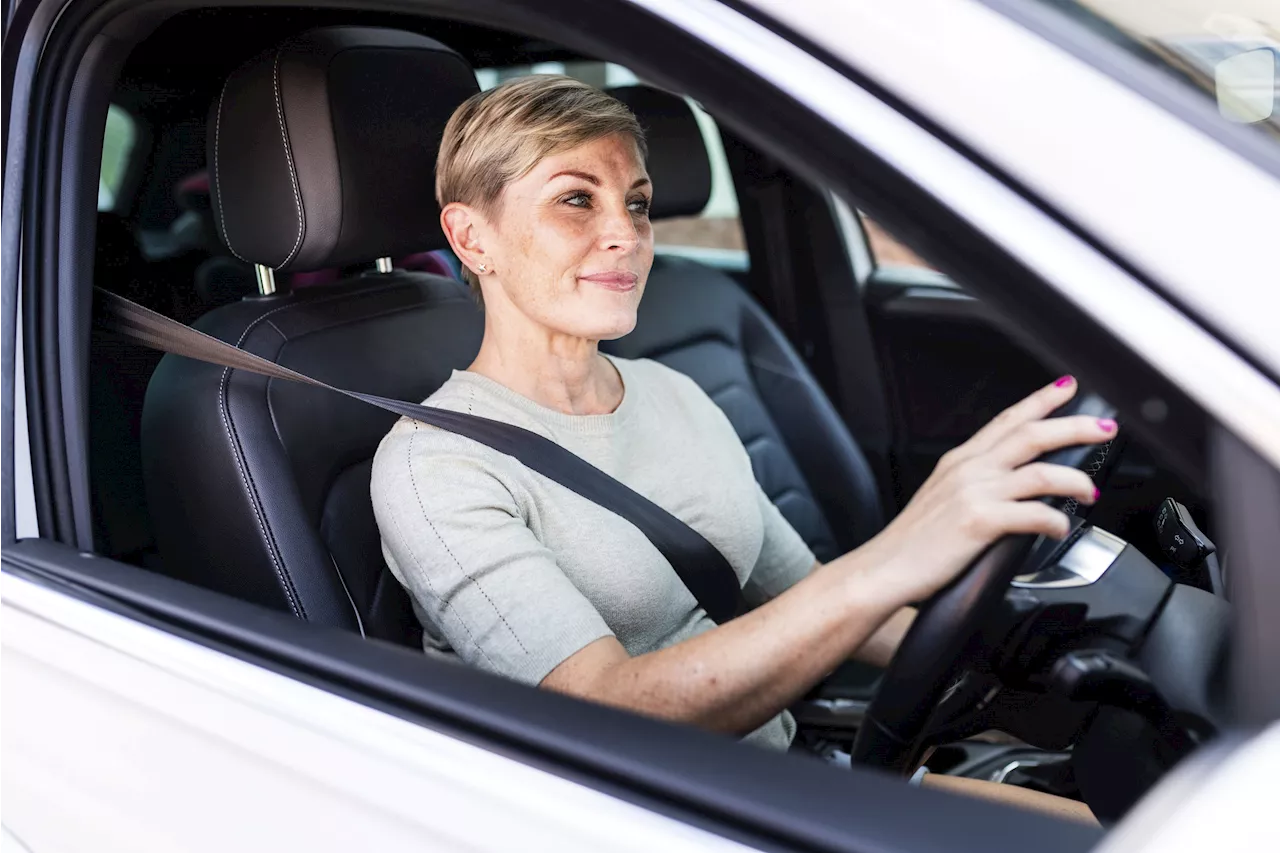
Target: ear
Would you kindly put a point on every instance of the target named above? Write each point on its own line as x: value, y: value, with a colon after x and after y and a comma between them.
x: 462, y: 226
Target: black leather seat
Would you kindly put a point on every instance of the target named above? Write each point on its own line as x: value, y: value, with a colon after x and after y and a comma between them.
x: 321, y: 154
x: 697, y: 320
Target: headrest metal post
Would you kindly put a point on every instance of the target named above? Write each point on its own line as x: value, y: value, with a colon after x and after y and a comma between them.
x: 384, y: 265
x: 266, y: 279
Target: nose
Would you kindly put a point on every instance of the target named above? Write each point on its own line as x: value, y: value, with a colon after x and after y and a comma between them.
x: 618, y: 232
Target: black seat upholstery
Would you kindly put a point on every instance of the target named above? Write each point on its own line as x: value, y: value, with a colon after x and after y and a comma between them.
x: 697, y: 320
x: 321, y: 154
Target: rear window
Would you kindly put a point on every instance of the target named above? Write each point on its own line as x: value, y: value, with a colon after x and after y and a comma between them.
x: 118, y: 143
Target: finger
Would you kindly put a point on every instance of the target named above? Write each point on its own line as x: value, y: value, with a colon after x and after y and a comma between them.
x: 1031, y: 517
x: 1040, y: 437
x: 1033, y: 407
x: 1044, y: 479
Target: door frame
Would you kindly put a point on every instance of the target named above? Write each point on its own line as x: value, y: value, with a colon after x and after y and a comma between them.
x: 818, y: 816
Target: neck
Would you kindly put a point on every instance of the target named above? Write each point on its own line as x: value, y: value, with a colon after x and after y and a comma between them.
x: 558, y: 371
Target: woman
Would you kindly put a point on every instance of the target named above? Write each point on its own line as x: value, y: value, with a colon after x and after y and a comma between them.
x: 544, y: 198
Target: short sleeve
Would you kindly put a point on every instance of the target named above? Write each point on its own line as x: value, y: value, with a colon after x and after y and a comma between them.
x: 455, y: 537
x: 784, y: 558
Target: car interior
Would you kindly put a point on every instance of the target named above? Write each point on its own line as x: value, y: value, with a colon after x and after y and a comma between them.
x: 309, y: 236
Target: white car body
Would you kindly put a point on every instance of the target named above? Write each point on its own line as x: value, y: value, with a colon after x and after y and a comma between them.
x: 120, y: 736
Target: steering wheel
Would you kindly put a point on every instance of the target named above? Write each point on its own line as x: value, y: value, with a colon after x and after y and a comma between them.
x: 937, y: 647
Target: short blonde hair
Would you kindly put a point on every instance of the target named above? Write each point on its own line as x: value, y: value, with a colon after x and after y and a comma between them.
x: 498, y: 136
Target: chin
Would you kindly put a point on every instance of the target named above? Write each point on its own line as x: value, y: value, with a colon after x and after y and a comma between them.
x: 605, y: 325
x: 613, y: 331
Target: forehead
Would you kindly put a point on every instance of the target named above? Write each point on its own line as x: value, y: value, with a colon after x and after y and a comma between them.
x: 613, y: 158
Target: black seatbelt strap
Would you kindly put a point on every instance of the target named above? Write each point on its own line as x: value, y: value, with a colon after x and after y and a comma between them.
x: 701, y: 567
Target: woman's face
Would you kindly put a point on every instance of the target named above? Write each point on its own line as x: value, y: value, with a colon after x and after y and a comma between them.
x: 570, y: 243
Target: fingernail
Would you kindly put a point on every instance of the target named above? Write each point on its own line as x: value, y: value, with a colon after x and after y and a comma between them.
x: 1065, y: 380
x: 1097, y: 493
x: 1106, y: 424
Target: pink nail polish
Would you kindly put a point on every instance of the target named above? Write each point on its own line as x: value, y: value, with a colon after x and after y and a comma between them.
x: 1097, y: 493
x: 1065, y: 380
x: 1106, y: 424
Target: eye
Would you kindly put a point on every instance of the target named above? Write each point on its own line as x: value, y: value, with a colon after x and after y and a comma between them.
x: 639, y: 205
x: 578, y: 199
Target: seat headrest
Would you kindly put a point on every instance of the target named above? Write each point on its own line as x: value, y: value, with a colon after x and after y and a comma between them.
x: 322, y: 152
x: 678, y: 163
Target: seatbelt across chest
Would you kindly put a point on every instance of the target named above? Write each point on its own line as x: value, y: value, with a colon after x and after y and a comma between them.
x: 699, y: 564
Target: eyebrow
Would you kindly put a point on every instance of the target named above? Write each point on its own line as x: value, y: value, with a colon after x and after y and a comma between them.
x: 586, y: 176
x: 592, y: 179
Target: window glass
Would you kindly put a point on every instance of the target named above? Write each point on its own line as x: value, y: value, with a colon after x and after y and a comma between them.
x: 886, y: 249
x: 117, y: 147
x: 718, y: 228
x: 1227, y: 49
x: 716, y: 233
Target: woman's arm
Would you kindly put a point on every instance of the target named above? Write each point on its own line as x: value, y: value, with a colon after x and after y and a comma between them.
x: 737, y: 676
x: 881, y: 646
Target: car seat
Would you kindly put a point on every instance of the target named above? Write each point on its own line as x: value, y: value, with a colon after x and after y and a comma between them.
x: 322, y: 155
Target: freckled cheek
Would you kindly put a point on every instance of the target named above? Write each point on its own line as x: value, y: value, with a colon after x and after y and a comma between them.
x: 645, y: 232
x: 570, y: 225
x: 549, y: 252
x: 565, y: 240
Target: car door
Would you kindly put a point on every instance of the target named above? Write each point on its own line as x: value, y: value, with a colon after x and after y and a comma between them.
x: 144, y: 713
x: 163, y: 715
x: 127, y: 737
x: 949, y: 363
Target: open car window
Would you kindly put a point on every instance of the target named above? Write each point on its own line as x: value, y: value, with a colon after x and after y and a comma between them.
x: 944, y: 362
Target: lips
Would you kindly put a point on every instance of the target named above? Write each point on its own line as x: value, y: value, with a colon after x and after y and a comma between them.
x: 618, y: 280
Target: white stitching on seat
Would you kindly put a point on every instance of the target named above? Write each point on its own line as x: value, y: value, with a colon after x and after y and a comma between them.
x: 347, y: 590
x: 217, y: 130
x: 288, y: 155
x: 285, y: 581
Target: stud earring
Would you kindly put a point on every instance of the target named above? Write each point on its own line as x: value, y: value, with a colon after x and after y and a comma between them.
x: 482, y: 268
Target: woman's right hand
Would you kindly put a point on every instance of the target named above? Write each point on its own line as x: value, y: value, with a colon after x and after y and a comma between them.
x: 987, y: 488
